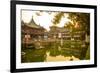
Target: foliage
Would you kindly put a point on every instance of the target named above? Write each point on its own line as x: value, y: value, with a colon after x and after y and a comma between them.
x: 82, y: 19
x: 57, y: 18
x: 88, y: 54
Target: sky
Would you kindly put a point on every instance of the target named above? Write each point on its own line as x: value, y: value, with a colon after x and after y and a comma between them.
x: 43, y: 18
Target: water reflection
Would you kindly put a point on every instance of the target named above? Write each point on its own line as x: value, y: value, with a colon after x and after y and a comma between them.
x: 50, y: 58
x: 34, y: 55
x: 51, y: 54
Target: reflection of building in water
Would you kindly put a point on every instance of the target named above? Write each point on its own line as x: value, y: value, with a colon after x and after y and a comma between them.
x: 32, y: 30
x: 33, y: 56
x: 62, y: 32
x: 60, y: 58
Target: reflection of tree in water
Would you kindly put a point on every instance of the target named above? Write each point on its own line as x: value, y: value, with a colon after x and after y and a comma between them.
x: 34, y: 55
x: 54, y: 52
x: 54, y: 49
x: 66, y: 51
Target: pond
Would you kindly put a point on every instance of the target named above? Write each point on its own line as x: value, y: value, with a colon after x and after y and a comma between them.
x: 53, y: 53
x: 50, y: 58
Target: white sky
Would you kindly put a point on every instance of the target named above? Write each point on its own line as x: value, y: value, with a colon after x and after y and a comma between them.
x: 43, y: 18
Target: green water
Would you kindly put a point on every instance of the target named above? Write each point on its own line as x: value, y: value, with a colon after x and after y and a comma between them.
x: 54, y: 52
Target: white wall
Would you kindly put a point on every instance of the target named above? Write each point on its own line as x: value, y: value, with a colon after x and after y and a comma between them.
x: 5, y: 37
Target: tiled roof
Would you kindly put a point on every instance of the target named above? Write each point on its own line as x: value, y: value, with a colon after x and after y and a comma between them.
x: 31, y: 24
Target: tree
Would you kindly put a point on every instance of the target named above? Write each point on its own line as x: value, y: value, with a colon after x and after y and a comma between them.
x: 69, y: 26
x: 57, y: 18
x: 83, y: 19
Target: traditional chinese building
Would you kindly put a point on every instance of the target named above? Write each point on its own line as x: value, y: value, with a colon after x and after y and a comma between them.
x: 31, y: 30
x: 64, y: 33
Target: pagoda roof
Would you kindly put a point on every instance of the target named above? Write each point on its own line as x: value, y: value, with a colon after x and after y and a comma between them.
x: 32, y: 24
